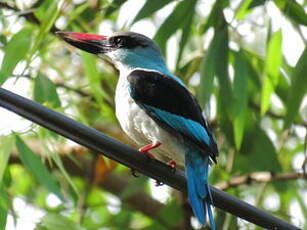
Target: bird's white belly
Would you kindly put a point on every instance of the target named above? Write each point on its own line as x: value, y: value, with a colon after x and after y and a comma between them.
x: 144, y: 130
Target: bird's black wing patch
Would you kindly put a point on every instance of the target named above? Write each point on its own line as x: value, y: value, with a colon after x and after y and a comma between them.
x: 149, y: 88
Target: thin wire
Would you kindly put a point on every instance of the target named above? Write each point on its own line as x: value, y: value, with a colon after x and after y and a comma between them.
x: 98, y: 142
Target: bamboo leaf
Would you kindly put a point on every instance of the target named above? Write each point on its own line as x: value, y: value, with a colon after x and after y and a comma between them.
x: 243, y: 9
x: 216, y: 64
x: 89, y: 62
x: 15, y: 51
x: 6, y: 143
x: 297, y: 90
x: 33, y: 163
x: 174, y: 21
x: 45, y: 91
x: 272, y: 66
x: 53, y: 221
x: 257, y: 153
x: 240, y: 97
x: 149, y: 8
x: 293, y: 10
x: 4, y: 206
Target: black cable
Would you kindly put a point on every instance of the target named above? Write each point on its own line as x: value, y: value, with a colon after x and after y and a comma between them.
x: 128, y: 156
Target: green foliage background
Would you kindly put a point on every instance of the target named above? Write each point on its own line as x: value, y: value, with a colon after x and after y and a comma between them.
x: 252, y: 96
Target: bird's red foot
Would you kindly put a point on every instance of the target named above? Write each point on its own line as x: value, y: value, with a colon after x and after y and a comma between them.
x: 145, y: 149
x: 172, y: 164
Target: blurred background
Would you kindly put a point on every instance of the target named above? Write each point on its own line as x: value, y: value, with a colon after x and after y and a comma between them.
x: 246, y: 62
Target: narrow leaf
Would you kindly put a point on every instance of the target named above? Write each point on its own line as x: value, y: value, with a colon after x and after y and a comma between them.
x: 216, y: 64
x: 149, y: 8
x: 243, y: 9
x: 45, y: 91
x: 4, y: 206
x: 89, y: 62
x: 53, y: 221
x: 293, y: 10
x: 221, y: 59
x: 298, y: 89
x: 6, y: 143
x: 272, y: 65
x: 35, y: 166
x: 15, y: 50
x: 257, y: 153
x: 240, y: 97
x: 174, y: 21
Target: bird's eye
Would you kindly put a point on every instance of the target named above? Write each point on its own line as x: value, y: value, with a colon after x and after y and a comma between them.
x: 119, y: 42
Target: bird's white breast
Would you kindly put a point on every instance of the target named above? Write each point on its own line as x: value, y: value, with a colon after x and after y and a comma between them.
x: 141, y: 128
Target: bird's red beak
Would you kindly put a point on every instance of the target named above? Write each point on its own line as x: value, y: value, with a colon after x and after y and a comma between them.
x: 91, y: 43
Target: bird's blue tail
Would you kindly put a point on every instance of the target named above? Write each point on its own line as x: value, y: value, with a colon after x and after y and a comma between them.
x: 198, y: 188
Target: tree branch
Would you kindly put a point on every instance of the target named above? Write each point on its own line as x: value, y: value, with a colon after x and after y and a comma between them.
x: 259, y: 177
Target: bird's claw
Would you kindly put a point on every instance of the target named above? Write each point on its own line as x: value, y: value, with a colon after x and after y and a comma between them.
x: 159, y: 183
x: 134, y: 173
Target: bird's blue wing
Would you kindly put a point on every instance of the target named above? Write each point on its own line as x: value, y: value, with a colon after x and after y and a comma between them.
x: 172, y: 106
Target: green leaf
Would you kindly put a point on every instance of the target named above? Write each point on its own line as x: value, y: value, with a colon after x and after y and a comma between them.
x: 45, y: 91
x: 243, y: 9
x: 272, y: 65
x: 297, y: 90
x: 89, y: 62
x: 4, y: 206
x: 115, y: 5
x: 207, y: 73
x: 171, y: 214
x: 215, y: 14
x: 149, y: 8
x: 53, y: 221
x: 240, y: 96
x: 293, y: 10
x: 216, y: 64
x: 221, y: 59
x: 174, y: 21
x: 257, y: 153
x: 6, y: 143
x: 15, y: 50
x: 35, y: 166
x: 185, y: 34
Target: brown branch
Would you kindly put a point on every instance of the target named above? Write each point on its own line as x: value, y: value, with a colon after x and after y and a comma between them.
x: 259, y: 177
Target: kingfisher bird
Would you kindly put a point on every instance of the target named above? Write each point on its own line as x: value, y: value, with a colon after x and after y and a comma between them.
x: 157, y: 111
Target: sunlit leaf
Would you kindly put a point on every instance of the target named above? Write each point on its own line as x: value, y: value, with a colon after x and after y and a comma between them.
x: 6, y: 143
x: 35, y: 166
x: 272, y: 65
x: 53, y: 221
x: 293, y: 10
x: 216, y: 64
x: 115, y: 5
x: 15, y: 51
x: 45, y: 91
x: 297, y: 90
x: 178, y: 18
x: 4, y: 206
x: 240, y: 97
x: 149, y: 8
x: 215, y: 14
x: 243, y: 9
x: 89, y: 63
